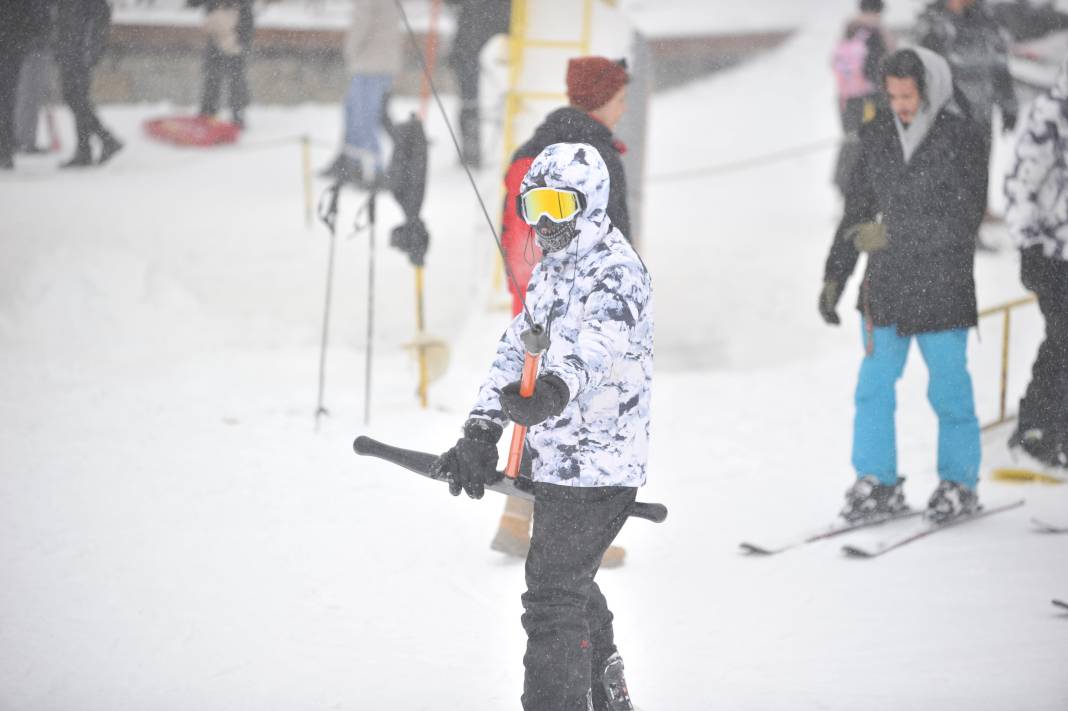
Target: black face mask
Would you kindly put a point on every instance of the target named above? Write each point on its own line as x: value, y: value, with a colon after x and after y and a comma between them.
x: 554, y: 236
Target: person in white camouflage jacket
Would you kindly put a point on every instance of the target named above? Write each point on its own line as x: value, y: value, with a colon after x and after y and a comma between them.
x: 1037, y: 216
x: 588, y: 423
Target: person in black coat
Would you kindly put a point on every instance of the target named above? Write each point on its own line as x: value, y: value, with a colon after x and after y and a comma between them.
x: 914, y: 202
x: 230, y: 28
x: 81, y: 35
x: 22, y: 22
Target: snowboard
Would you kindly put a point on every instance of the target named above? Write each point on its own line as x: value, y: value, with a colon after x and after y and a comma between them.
x: 421, y: 463
x: 197, y: 131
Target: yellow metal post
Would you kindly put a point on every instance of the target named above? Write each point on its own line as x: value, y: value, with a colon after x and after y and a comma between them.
x: 1007, y: 320
x: 305, y: 153
x: 421, y: 345
x: 1004, y: 309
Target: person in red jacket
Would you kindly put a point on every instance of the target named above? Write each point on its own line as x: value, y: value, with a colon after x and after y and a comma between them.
x: 597, y: 99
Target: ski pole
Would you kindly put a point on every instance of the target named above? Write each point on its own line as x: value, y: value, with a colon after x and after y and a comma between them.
x: 328, y: 215
x: 535, y: 341
x: 370, y: 304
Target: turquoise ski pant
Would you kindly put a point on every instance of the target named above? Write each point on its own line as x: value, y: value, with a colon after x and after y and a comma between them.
x: 949, y: 391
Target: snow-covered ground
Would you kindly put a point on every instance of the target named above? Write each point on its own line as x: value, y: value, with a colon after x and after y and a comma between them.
x: 175, y: 534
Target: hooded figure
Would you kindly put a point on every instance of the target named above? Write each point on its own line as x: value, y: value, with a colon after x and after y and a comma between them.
x: 596, y: 297
x: 924, y: 184
x: 1037, y: 216
x: 587, y: 420
x: 913, y: 204
x: 937, y: 93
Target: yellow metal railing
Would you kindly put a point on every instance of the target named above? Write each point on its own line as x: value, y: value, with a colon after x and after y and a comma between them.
x: 518, y: 43
x: 1006, y: 311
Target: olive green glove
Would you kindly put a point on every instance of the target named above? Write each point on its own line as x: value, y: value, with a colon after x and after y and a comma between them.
x: 829, y: 296
x: 868, y: 236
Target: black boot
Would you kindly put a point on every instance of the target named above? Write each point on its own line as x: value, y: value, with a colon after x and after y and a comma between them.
x: 111, y: 146
x: 82, y: 157
x: 612, y: 694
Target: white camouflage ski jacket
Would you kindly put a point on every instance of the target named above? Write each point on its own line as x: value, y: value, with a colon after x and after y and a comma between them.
x: 1037, y: 187
x: 596, y: 297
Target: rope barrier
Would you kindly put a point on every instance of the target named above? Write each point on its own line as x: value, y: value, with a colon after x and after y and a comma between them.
x: 747, y: 163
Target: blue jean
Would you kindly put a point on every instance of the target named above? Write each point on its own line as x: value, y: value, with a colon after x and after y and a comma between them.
x: 363, y: 115
x: 949, y: 391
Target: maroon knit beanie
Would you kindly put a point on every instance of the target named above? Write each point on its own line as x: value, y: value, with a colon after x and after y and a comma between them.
x: 592, y: 81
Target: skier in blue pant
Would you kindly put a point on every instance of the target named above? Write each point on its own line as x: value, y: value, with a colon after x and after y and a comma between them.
x: 914, y: 203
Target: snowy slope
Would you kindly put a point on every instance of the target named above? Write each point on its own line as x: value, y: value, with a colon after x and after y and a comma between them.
x: 175, y: 534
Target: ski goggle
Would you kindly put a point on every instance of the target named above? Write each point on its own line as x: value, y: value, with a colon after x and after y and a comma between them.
x: 559, y: 205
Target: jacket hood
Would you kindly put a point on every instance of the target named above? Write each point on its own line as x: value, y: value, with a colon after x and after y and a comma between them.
x: 938, y: 79
x: 577, y: 166
x: 570, y: 125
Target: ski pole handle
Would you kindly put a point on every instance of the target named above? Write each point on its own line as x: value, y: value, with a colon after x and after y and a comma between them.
x: 519, y: 432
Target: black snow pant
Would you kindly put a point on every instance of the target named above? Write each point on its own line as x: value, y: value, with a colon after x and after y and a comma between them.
x: 12, y: 52
x: 77, y: 77
x: 567, y: 620
x: 218, y: 66
x: 1045, y: 404
x: 465, y: 64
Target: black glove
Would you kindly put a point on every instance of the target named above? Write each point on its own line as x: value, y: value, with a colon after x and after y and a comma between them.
x: 549, y: 399
x: 1008, y: 121
x: 829, y: 302
x: 472, y: 463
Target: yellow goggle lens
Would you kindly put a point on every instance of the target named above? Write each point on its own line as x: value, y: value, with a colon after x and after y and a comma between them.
x: 557, y: 205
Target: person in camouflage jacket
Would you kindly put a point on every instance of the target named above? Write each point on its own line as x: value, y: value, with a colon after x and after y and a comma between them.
x: 1037, y: 216
x: 588, y: 433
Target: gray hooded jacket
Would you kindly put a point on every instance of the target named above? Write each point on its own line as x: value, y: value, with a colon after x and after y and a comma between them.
x: 939, y: 90
x: 596, y: 297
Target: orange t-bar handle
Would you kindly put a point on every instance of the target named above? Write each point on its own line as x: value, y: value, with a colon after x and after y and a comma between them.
x: 535, y: 342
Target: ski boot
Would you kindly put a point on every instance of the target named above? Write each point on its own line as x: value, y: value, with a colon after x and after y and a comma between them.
x: 868, y: 498
x: 1033, y: 449
x: 110, y: 146
x: 611, y: 694
x: 949, y: 501
x: 82, y: 158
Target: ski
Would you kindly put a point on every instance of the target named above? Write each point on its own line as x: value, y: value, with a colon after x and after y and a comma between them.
x: 1046, y: 527
x: 421, y: 463
x: 929, y: 528
x: 1060, y: 603
x: 835, y: 529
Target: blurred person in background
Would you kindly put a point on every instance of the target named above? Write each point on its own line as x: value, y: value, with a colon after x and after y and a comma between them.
x: 23, y: 23
x: 229, y: 26
x: 856, y: 69
x: 597, y: 96
x: 965, y: 34
x: 1037, y: 217
x: 82, y: 28
x: 914, y: 202
x: 373, y: 55
x: 476, y: 22
x: 34, y: 83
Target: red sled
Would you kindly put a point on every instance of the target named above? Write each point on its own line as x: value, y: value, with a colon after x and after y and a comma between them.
x: 200, y: 131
